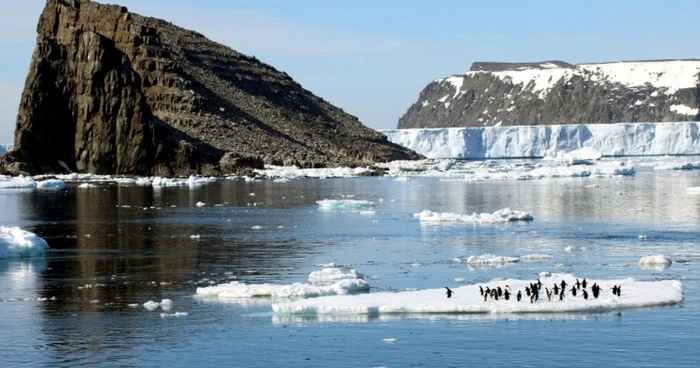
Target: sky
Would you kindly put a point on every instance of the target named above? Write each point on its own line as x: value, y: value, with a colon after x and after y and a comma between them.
x: 372, y: 58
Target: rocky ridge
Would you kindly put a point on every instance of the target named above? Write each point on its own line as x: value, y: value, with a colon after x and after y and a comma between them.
x: 555, y: 92
x: 112, y: 92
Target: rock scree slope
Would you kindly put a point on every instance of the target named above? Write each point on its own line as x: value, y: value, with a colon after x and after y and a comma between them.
x: 555, y: 92
x: 112, y: 92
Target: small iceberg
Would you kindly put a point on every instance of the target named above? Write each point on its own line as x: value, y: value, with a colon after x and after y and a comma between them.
x: 51, y: 184
x: 500, y: 216
x: 16, y: 182
x: 343, y: 204
x: 18, y: 243
x: 657, y: 262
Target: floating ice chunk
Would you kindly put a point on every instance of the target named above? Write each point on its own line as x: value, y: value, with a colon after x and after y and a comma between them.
x: 490, y: 259
x: 133, y: 305
x: 415, y: 264
x: 200, y: 204
x: 166, y: 304
x: 367, y: 213
x: 196, y: 236
x: 237, y: 289
x: 176, y: 314
x: 18, y: 182
x: 459, y: 279
x: 390, y: 340
x: 86, y: 185
x: 467, y: 299
x: 271, y: 171
x: 333, y: 274
x: 502, y: 215
x: 256, y: 227
x: 571, y: 248
x: 15, y: 242
x: 642, y: 236
x: 51, y: 184
x: 658, y: 262
x: 581, y: 155
x: 343, y: 204
x: 151, y: 305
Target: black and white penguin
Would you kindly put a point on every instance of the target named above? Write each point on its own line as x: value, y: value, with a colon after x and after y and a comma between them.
x: 556, y: 289
x: 614, y: 289
x: 481, y: 291
x: 596, y: 290
x: 500, y: 291
x: 527, y: 290
x: 561, y: 295
x: 585, y: 294
x: 548, y: 293
x: 449, y: 292
x: 539, y: 284
x: 573, y: 291
x: 506, y: 294
x: 584, y: 283
x: 619, y: 290
x: 519, y: 296
x: 563, y: 285
x: 578, y: 284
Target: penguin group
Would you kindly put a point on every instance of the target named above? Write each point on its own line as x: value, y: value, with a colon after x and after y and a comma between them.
x: 532, y: 291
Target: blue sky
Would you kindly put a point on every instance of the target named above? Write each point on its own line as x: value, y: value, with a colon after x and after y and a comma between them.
x: 372, y: 58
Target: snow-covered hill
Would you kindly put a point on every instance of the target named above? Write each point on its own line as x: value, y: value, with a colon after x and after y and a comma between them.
x: 502, y: 94
x: 629, y: 139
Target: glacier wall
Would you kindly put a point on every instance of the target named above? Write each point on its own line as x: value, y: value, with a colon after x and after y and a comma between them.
x: 624, y: 139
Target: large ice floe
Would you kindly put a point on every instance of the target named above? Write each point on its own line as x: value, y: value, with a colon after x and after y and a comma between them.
x: 657, y: 262
x: 18, y: 243
x: 344, y: 204
x: 16, y: 182
x: 500, y: 216
x: 293, y: 172
x: 328, y: 281
x: 623, y: 139
x: 467, y: 299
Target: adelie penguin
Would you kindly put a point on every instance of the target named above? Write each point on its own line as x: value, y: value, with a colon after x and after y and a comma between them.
x: 556, y: 289
x: 585, y: 294
x: 578, y: 284
x: 584, y: 283
x: 548, y: 293
x: 561, y: 295
x: 519, y: 296
x: 449, y: 292
x: 481, y: 291
x: 614, y: 289
x: 527, y: 291
x: 573, y: 291
x: 500, y: 291
x: 619, y: 290
x: 563, y: 285
x: 506, y: 294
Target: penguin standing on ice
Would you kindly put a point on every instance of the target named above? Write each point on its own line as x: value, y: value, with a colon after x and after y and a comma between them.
x: 556, y: 289
x: 561, y: 295
x: 527, y: 291
x: 539, y: 284
x: 548, y: 293
x: 614, y: 289
x: 585, y: 294
x: 500, y: 291
x: 578, y: 284
x: 519, y: 296
x: 563, y: 285
x: 506, y: 294
x: 481, y: 291
x: 596, y: 290
x: 449, y: 292
x: 573, y: 291
x: 584, y: 283
x: 619, y: 290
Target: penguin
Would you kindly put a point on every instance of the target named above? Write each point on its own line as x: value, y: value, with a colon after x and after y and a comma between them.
x: 585, y: 294
x: 481, y: 291
x: 614, y: 289
x: 573, y: 291
x: 548, y: 293
x: 619, y: 290
x: 539, y: 284
x: 561, y: 295
x: 532, y: 298
x: 527, y: 291
x: 519, y: 296
x: 556, y: 289
x: 584, y: 283
x: 563, y: 285
x: 578, y: 284
x: 595, y: 289
x: 449, y: 292
x: 500, y: 291
x: 506, y: 294
x: 486, y: 296
x: 494, y: 294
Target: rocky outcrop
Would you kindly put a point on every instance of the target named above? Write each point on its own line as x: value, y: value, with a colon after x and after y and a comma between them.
x: 112, y: 92
x: 554, y: 92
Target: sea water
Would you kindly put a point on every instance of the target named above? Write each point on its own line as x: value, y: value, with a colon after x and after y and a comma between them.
x: 116, y: 247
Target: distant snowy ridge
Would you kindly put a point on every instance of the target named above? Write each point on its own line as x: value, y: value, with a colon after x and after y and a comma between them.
x: 624, y: 139
x: 508, y: 94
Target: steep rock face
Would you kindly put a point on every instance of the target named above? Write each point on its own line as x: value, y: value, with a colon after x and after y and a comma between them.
x: 495, y: 94
x: 112, y: 92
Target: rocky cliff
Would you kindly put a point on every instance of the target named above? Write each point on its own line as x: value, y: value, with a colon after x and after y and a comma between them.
x: 112, y: 92
x: 555, y: 92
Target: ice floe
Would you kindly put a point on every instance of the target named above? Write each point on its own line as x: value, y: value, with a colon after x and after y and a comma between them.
x: 176, y: 314
x: 500, y: 216
x: 16, y: 182
x: 467, y: 299
x: 164, y: 304
x: 282, y: 172
x: 329, y: 281
x: 18, y: 243
x: 51, y: 184
x: 657, y: 262
x: 343, y: 204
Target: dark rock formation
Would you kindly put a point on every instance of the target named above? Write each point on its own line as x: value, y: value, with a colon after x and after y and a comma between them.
x: 555, y: 92
x: 111, y: 92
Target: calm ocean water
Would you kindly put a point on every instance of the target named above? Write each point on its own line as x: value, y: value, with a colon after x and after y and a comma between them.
x: 130, y: 245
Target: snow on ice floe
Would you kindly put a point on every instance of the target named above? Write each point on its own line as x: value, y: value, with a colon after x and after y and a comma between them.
x: 500, y: 216
x: 18, y: 243
x: 657, y: 262
x: 467, y: 300
x: 51, y: 184
x: 16, y: 182
x: 328, y: 281
x: 343, y: 204
x: 282, y: 172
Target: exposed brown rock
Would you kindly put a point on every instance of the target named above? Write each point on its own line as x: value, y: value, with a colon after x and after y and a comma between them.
x: 112, y: 92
